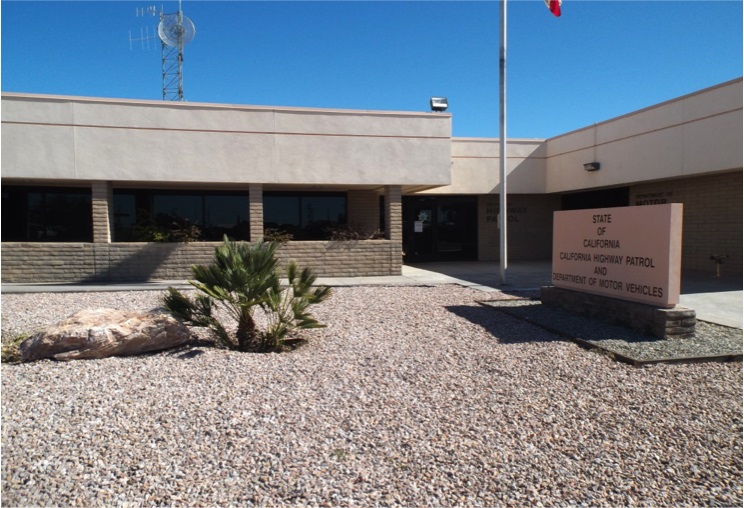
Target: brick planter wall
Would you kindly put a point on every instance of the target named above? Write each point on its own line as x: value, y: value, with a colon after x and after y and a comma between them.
x: 89, y: 262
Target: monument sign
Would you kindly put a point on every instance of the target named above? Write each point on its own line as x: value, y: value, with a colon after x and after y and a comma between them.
x: 633, y: 253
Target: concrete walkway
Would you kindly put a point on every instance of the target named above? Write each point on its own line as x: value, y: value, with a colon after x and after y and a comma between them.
x: 714, y: 299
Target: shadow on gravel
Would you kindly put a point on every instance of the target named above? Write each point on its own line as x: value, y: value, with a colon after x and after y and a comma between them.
x: 522, y: 294
x: 190, y: 350
x: 504, y: 328
x: 709, y: 343
x: 565, y: 324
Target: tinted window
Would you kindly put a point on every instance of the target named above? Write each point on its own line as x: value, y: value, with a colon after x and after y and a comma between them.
x: 46, y: 214
x: 309, y: 216
x: 604, y: 198
x: 161, y: 215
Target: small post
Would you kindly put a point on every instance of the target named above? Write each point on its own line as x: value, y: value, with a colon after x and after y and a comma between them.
x: 719, y: 259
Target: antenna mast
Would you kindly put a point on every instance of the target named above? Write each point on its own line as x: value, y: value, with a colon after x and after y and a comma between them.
x: 175, y: 31
x: 145, y: 34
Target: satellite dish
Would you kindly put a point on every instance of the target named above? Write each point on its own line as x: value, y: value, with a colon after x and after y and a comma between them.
x: 176, y: 30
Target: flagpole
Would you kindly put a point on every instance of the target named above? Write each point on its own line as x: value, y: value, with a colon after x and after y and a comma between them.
x: 502, y: 171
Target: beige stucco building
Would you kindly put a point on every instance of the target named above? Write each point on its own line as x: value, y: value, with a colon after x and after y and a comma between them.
x: 102, y: 189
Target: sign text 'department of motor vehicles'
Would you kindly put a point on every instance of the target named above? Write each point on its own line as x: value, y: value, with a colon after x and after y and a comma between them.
x: 633, y: 253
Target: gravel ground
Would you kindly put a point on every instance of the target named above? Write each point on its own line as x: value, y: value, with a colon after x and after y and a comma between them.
x: 412, y: 396
x: 710, y: 340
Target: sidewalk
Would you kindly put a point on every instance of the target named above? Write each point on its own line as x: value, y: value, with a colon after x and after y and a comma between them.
x: 714, y: 299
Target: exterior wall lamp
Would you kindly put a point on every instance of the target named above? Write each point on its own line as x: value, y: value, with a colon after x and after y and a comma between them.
x: 438, y: 104
x: 591, y: 166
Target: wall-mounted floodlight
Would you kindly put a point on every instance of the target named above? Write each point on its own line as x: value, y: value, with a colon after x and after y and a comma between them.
x: 591, y: 166
x: 438, y: 104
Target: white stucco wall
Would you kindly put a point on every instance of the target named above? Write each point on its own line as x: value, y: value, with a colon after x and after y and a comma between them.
x: 71, y: 138
x: 696, y: 134
x: 476, y: 167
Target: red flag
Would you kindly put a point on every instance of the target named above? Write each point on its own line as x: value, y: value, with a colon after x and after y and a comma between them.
x: 554, y: 6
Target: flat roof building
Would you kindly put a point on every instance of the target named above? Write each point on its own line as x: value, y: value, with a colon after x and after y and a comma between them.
x: 104, y: 189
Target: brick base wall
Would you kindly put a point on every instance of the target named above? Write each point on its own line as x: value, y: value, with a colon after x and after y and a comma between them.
x: 364, y: 258
x: 88, y: 262
x: 677, y: 322
x: 364, y: 210
x: 712, y: 222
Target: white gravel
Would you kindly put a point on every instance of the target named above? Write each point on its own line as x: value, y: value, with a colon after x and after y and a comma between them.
x: 413, y: 396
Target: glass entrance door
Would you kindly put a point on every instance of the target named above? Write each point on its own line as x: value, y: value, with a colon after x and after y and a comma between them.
x: 418, y: 236
x: 440, y: 228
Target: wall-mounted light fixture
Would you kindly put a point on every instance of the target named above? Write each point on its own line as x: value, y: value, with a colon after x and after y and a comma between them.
x: 438, y: 104
x: 591, y: 166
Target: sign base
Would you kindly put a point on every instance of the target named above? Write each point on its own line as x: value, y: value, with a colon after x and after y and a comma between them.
x: 664, y: 323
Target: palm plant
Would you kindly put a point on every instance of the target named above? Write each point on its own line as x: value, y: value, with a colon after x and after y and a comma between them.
x: 244, y: 279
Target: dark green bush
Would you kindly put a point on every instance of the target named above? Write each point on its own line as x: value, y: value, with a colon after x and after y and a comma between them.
x: 244, y: 279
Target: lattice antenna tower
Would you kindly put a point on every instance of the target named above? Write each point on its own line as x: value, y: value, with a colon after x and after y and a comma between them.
x: 174, y: 32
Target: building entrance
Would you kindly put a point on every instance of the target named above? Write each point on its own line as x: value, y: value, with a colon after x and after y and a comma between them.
x: 440, y: 228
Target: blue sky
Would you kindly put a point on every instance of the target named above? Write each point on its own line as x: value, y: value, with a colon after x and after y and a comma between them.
x: 599, y: 60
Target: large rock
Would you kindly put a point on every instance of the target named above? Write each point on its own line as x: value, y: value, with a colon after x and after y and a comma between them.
x: 105, y: 332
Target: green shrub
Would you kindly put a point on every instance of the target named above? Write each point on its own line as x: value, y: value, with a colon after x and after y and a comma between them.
x: 353, y: 232
x: 165, y: 228
x: 11, y: 352
x: 277, y: 236
x: 244, y: 279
